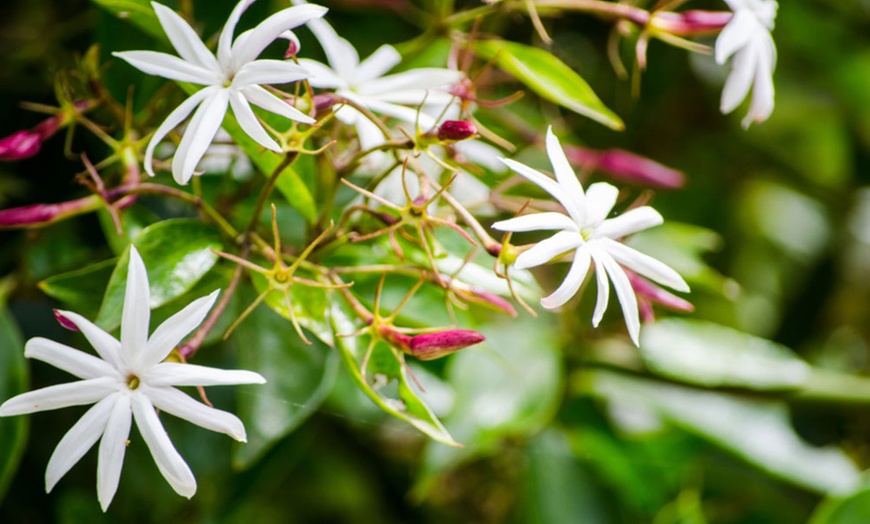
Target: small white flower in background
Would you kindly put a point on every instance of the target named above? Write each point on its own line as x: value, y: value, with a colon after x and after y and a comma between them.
x: 397, y: 96
x: 747, y: 38
x: 590, y: 236
x: 127, y: 382
x: 233, y: 79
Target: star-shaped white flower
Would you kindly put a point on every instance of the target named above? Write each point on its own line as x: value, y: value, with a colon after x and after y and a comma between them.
x: 592, y: 237
x: 364, y: 83
x: 233, y: 79
x: 127, y: 382
x: 747, y: 38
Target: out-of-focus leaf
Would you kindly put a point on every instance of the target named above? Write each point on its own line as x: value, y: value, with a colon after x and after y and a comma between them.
x: 549, y: 77
x: 755, y: 430
x: 711, y: 355
x: 298, y: 378
x: 78, y: 288
x: 13, y: 381
x: 851, y: 509
x: 310, y: 307
x: 138, y: 12
x: 386, y: 381
x: 177, y: 254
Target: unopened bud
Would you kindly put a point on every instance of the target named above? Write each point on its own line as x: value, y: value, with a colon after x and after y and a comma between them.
x: 456, y: 130
x: 625, y: 166
x: 478, y: 296
x: 20, y: 145
x: 37, y: 215
x: 64, y: 321
x: 649, y: 292
x: 430, y: 346
x: 689, y: 23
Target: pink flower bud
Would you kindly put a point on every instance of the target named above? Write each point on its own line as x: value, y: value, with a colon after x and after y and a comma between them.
x: 430, y: 346
x: 64, y: 321
x: 292, y: 49
x: 36, y: 215
x: 456, y: 130
x: 690, y: 23
x: 649, y: 292
x: 625, y: 166
x: 20, y: 145
x: 479, y: 296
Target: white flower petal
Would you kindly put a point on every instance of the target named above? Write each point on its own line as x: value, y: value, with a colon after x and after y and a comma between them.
x: 199, y: 134
x: 762, y: 88
x: 136, y: 316
x: 549, y: 248
x: 68, y: 359
x: 184, y: 39
x: 571, y: 190
x: 172, y: 121
x: 77, y: 393
x: 537, y: 221
x: 225, y: 42
x: 172, y: 330
x: 269, y: 29
x: 630, y: 222
x: 177, y: 374
x: 736, y: 34
x: 107, y: 346
x: 378, y: 63
x: 168, y: 66
x: 77, y: 441
x: 178, y: 404
x: 573, y: 280
x: 739, y: 81
x: 322, y: 77
x: 262, y: 98
x: 268, y: 72
x: 644, y: 265
x: 340, y: 54
x: 603, y: 287
x: 113, y: 445
x: 600, y: 199
x: 411, y: 115
x: 624, y: 292
x: 249, y: 123
x: 420, y: 78
x: 169, y: 462
x: 550, y: 186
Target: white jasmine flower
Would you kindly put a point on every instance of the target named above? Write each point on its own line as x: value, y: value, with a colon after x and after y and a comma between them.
x: 747, y: 38
x: 366, y: 84
x: 127, y: 382
x: 590, y: 236
x: 233, y: 79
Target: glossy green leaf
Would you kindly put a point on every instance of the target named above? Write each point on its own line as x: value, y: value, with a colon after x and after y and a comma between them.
x: 386, y: 382
x: 13, y: 381
x: 177, y: 254
x: 138, y: 12
x: 77, y: 289
x: 549, y: 77
x: 133, y: 220
x: 310, y: 306
x: 711, y: 355
x: 758, y: 431
x: 298, y: 379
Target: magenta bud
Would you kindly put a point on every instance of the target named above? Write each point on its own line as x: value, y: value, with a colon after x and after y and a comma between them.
x: 456, y: 130
x: 292, y: 49
x: 20, y: 145
x: 478, y: 296
x: 650, y: 292
x: 64, y: 321
x: 36, y: 215
x: 625, y: 166
x: 429, y: 346
x: 690, y: 23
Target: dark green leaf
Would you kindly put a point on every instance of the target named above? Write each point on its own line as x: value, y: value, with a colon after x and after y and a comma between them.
x: 13, y: 381
x: 78, y: 288
x: 138, y: 12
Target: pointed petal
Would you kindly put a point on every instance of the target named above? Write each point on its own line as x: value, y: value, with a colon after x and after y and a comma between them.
x: 762, y: 87
x: 630, y: 222
x: 624, y: 292
x: 736, y: 34
x: 168, y: 66
x: 340, y: 54
x: 136, y: 316
x: 225, y: 42
x: 603, y: 287
x: 268, y: 72
x: 378, y: 63
x: 269, y: 29
x: 411, y: 115
x: 550, y: 186
x: 107, y: 346
x: 199, y: 134
x: 177, y: 374
x: 739, y: 81
x: 573, y: 280
x: 77, y: 393
x: 113, y: 445
x: 184, y: 39
x: 175, y: 328
x: 77, y: 441
x: 537, y: 221
x: 178, y: 404
x: 548, y: 249
x: 69, y: 359
x: 249, y: 123
x: 644, y: 265
x: 322, y: 77
x: 600, y: 199
x: 420, y: 78
x: 571, y: 190
x: 176, y: 117
x: 169, y: 462
x: 262, y: 98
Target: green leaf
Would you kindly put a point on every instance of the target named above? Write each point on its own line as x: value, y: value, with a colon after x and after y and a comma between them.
x: 549, y: 77
x: 78, y: 288
x: 299, y: 377
x: 711, y: 355
x: 138, y: 12
x: 844, y: 510
x: 309, y: 307
x: 133, y: 220
x: 758, y: 431
x: 13, y: 381
x: 389, y: 387
x: 177, y: 254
